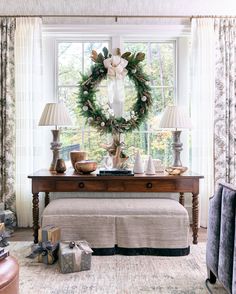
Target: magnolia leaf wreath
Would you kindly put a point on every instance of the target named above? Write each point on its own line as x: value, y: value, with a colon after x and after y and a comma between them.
x: 104, y: 120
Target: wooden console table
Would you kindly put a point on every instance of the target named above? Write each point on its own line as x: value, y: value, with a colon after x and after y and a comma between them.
x: 46, y: 181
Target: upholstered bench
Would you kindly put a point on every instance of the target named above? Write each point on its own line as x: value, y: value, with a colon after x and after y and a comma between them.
x: 127, y: 226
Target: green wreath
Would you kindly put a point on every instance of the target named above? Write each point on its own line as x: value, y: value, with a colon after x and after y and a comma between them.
x: 96, y: 116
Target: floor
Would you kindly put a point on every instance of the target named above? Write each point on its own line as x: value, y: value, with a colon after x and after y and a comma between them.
x: 26, y: 235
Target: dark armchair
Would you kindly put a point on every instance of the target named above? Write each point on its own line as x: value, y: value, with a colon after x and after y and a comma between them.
x: 221, y: 243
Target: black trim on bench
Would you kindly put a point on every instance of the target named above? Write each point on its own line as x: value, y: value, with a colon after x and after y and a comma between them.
x: 142, y: 251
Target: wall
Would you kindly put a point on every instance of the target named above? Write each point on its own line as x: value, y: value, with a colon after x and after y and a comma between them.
x: 128, y: 7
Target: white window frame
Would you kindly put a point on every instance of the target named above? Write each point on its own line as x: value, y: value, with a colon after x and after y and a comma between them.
x: 54, y: 34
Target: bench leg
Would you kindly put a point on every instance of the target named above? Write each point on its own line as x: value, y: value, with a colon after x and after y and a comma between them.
x: 211, y: 276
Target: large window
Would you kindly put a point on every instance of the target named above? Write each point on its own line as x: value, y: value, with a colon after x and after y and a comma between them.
x: 73, y: 58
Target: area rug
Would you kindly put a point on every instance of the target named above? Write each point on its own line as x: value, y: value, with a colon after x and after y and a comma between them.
x: 117, y: 274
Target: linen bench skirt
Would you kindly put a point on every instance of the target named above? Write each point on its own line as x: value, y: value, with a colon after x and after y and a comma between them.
x: 126, y: 226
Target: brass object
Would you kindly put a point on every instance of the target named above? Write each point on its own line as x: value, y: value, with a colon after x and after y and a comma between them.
x: 176, y: 170
x: 85, y: 166
x: 60, y: 166
x: 77, y: 156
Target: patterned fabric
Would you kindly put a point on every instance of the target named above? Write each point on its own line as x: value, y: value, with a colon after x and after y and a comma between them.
x: 7, y: 113
x: 225, y: 101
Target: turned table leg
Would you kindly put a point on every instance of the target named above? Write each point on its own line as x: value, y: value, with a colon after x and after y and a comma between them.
x: 181, y: 198
x: 195, y: 217
x: 35, y: 216
x: 46, y: 199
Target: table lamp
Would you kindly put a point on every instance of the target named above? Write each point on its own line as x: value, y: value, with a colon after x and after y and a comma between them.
x: 174, y: 117
x: 55, y: 114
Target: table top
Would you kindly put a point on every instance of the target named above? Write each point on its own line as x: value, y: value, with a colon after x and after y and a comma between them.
x: 71, y: 174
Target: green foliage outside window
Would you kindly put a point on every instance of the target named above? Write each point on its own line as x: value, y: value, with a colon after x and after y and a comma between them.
x: 159, y: 64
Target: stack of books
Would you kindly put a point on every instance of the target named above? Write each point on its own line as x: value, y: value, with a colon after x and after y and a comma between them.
x: 115, y: 172
x: 3, y: 253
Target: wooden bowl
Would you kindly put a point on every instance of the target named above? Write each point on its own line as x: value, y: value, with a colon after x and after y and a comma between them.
x: 176, y: 170
x: 85, y: 166
x: 77, y: 156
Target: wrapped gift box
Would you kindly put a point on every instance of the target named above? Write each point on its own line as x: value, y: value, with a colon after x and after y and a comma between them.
x: 2, y: 227
x: 49, y: 238
x: 3, y: 236
x: 8, y: 218
x: 75, y: 259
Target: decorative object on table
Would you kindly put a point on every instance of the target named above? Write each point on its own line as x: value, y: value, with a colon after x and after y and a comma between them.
x: 158, y: 165
x: 3, y: 254
x: 55, y: 114
x: 115, y: 172
x: 47, y: 248
x: 75, y: 256
x: 85, y: 166
x: 110, y: 118
x: 176, y: 170
x: 76, y: 155
x: 174, y: 117
x: 60, y: 166
x: 138, y: 164
x: 107, y: 162
x: 8, y: 218
x: 3, y: 236
x: 150, y: 170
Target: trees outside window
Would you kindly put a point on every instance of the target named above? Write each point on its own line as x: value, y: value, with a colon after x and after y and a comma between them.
x: 73, y: 58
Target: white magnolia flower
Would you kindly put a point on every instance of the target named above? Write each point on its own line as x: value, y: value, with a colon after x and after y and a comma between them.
x: 102, y: 124
x: 144, y: 98
x: 85, y: 108
x: 116, y: 67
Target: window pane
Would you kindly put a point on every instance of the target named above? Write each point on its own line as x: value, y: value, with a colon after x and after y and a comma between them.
x: 74, y: 58
x: 69, y: 63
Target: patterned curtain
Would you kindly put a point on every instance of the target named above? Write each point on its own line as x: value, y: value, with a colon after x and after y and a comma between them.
x: 7, y: 113
x: 225, y: 101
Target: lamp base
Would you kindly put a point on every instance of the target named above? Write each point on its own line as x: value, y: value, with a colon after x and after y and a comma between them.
x: 177, y: 148
x: 55, y: 147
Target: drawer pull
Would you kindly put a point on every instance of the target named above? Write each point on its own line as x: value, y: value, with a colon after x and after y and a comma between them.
x: 81, y: 185
x: 149, y: 185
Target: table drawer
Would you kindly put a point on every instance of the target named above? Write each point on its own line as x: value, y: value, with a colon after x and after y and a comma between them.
x: 150, y: 186
x: 44, y: 186
x: 75, y: 186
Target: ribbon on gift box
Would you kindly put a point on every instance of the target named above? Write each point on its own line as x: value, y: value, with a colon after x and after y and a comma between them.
x: 3, y: 239
x: 45, y: 249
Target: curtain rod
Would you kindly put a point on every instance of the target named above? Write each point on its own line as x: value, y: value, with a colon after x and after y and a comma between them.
x: 121, y: 16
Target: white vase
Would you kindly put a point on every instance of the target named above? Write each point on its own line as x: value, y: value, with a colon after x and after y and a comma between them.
x: 138, y: 164
x: 150, y: 170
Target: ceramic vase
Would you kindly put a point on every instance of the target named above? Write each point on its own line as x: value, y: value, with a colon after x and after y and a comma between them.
x: 77, y: 156
x: 150, y: 170
x: 138, y: 164
x: 60, y: 166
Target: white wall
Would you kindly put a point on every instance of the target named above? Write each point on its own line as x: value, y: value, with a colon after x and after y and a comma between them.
x: 127, y: 7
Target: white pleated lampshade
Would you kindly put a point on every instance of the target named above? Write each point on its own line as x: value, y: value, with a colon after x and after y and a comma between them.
x: 175, y: 117
x: 55, y: 114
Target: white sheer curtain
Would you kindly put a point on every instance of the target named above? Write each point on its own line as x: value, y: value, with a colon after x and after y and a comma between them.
x: 29, y: 103
x: 202, y: 108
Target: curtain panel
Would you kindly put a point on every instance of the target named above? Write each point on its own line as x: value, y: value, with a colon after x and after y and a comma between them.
x: 29, y: 103
x: 7, y: 113
x: 202, y: 108
x: 225, y: 102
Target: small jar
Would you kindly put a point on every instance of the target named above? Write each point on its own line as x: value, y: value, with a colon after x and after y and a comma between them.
x: 60, y: 166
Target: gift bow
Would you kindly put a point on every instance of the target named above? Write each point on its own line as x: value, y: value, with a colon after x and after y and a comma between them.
x: 44, y: 248
x: 3, y: 239
x: 116, y: 67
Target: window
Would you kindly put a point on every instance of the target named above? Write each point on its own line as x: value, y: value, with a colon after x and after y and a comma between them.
x: 73, y: 58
